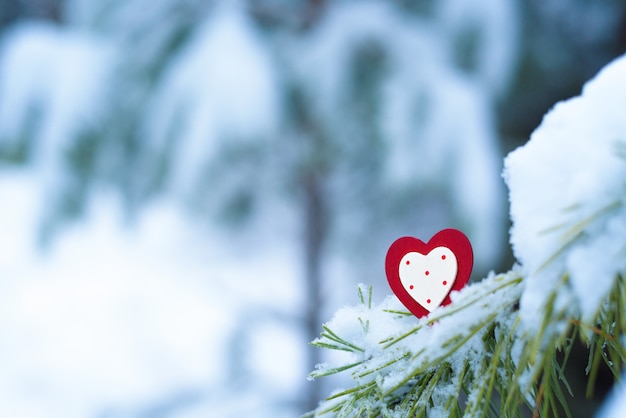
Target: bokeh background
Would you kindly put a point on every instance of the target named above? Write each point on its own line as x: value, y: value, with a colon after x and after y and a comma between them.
x: 190, y: 188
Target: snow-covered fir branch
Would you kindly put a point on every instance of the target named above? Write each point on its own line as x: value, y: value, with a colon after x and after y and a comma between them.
x: 493, y: 351
x: 450, y: 351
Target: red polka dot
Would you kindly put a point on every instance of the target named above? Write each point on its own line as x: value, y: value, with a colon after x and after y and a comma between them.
x: 427, y: 272
x: 443, y: 257
x: 427, y: 300
x: 411, y: 287
x: 408, y: 262
x: 445, y: 282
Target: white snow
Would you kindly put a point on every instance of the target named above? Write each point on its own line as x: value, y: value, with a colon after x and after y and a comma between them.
x: 615, y: 406
x: 41, y: 66
x: 113, y: 318
x: 222, y: 87
x: 567, y: 199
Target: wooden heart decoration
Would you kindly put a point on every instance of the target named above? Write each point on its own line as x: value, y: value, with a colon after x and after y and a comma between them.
x: 422, y: 275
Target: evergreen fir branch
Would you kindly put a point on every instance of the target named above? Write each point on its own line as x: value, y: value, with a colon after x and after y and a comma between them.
x: 322, y: 344
x: 539, y: 361
x: 557, y: 381
x: 595, y: 357
x: 394, y: 340
x: 535, y: 347
x: 422, y: 375
x: 362, y: 388
x: 334, y: 370
x: 561, y: 376
x: 485, y: 392
x: 604, y: 341
x: 595, y: 330
x: 452, y: 311
x: 512, y: 281
x: 384, y: 365
x: 365, y: 325
x: 577, y: 231
x: 440, y: 359
x: 405, y: 313
x: 329, y: 334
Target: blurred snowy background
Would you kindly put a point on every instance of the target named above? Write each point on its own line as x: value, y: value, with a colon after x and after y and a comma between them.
x: 189, y: 188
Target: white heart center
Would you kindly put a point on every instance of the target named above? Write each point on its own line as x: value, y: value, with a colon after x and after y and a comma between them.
x: 428, y: 278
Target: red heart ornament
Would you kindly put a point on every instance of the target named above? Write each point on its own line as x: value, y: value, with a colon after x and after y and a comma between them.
x: 422, y: 275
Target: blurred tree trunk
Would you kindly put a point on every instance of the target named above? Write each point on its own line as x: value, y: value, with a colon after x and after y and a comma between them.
x: 316, y: 232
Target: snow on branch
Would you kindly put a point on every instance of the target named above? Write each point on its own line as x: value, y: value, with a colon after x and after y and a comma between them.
x: 457, y: 347
x: 567, y: 192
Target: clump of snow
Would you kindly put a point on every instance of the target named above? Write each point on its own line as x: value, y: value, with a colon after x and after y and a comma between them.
x: 486, y: 35
x: 53, y: 79
x: 567, y: 198
x: 54, y: 84
x: 221, y: 87
x: 616, y: 404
